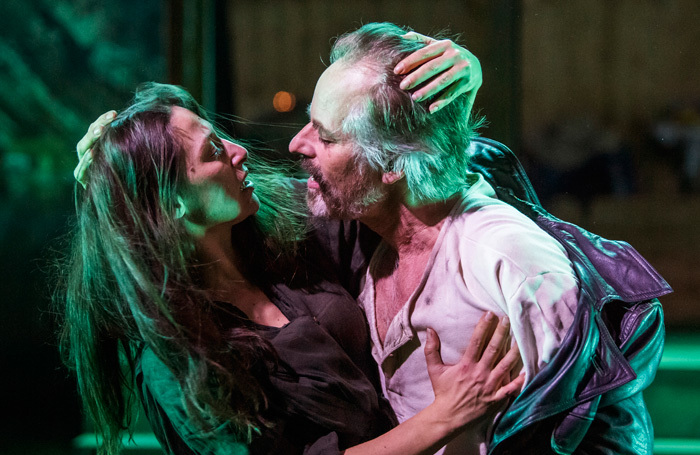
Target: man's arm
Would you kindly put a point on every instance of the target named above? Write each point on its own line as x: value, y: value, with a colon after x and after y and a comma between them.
x: 508, y: 260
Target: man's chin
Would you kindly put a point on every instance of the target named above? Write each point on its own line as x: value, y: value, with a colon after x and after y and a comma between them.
x: 320, y: 207
x: 317, y: 206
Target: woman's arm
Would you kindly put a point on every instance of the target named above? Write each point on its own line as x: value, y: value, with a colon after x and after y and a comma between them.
x: 465, y: 393
x: 443, y: 67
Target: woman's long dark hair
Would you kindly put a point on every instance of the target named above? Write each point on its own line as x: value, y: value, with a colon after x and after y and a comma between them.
x: 130, y: 279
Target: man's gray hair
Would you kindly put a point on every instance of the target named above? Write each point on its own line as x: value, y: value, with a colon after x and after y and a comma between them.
x: 394, y: 133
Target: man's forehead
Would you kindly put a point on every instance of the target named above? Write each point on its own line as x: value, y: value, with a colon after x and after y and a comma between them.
x: 337, y: 90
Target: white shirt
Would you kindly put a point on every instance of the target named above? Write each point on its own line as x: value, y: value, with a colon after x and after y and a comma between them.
x: 488, y: 256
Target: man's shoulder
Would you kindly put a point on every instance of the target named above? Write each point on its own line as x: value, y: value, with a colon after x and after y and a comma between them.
x: 488, y: 219
x: 480, y: 212
x: 493, y: 230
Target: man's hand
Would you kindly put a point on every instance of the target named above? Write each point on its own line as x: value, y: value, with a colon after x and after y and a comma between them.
x: 84, y: 146
x: 481, y: 381
x: 444, y: 67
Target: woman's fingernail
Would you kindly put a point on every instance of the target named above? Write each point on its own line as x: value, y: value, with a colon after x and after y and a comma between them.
x: 97, y: 131
x: 490, y: 316
x: 505, y: 322
x: 111, y: 114
x: 404, y: 84
x: 398, y: 69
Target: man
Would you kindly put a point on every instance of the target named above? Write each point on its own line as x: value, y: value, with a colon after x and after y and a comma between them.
x: 450, y: 248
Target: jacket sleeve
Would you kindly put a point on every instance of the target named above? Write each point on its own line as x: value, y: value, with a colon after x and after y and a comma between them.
x: 177, y: 433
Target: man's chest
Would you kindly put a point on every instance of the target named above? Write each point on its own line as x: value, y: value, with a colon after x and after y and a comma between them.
x: 395, y: 282
x: 439, y: 293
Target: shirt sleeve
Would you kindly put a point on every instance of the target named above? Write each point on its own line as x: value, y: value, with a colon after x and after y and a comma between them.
x: 539, y: 288
x: 541, y: 310
x: 527, y: 274
x: 177, y: 433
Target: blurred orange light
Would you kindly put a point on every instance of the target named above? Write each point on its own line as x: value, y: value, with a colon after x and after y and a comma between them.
x: 284, y: 101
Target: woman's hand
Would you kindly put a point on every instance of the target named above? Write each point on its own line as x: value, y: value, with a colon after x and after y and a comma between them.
x: 465, y: 393
x: 84, y: 146
x: 443, y: 67
x: 480, y: 382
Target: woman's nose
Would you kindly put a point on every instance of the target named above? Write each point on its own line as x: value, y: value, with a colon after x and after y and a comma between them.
x: 238, y: 154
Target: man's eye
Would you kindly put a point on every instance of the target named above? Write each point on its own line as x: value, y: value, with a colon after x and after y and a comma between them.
x: 325, y: 141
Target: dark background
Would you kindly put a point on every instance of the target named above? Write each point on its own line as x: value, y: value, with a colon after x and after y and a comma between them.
x: 599, y: 99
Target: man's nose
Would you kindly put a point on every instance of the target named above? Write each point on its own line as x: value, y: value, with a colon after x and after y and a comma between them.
x: 301, y: 143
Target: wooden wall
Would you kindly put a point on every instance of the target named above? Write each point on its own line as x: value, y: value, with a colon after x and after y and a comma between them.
x: 282, y: 45
x: 617, y: 63
x: 620, y: 62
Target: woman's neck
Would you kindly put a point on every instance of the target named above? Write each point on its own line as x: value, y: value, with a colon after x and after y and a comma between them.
x: 223, y: 279
x: 219, y: 261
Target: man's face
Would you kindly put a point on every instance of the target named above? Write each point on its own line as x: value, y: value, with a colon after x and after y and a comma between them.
x: 341, y: 186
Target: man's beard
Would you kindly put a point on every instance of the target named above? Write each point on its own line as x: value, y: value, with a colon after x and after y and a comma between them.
x: 346, y: 200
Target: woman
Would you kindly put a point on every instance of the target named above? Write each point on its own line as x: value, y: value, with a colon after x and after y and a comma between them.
x: 178, y: 286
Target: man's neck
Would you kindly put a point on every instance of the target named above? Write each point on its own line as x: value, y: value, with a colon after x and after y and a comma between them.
x: 409, y: 229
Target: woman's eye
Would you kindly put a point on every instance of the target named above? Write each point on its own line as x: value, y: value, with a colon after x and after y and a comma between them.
x: 217, y: 150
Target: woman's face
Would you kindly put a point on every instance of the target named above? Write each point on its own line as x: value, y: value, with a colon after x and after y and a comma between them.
x: 217, y: 190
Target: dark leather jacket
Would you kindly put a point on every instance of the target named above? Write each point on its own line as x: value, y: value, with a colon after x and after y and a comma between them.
x: 588, y: 399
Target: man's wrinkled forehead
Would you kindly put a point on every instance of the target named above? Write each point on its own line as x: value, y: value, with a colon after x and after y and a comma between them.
x: 338, y: 90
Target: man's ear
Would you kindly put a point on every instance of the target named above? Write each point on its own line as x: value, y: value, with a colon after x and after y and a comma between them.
x: 390, y: 178
x: 180, y: 208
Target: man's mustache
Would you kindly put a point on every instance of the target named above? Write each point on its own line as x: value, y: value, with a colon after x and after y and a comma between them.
x: 314, y: 172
